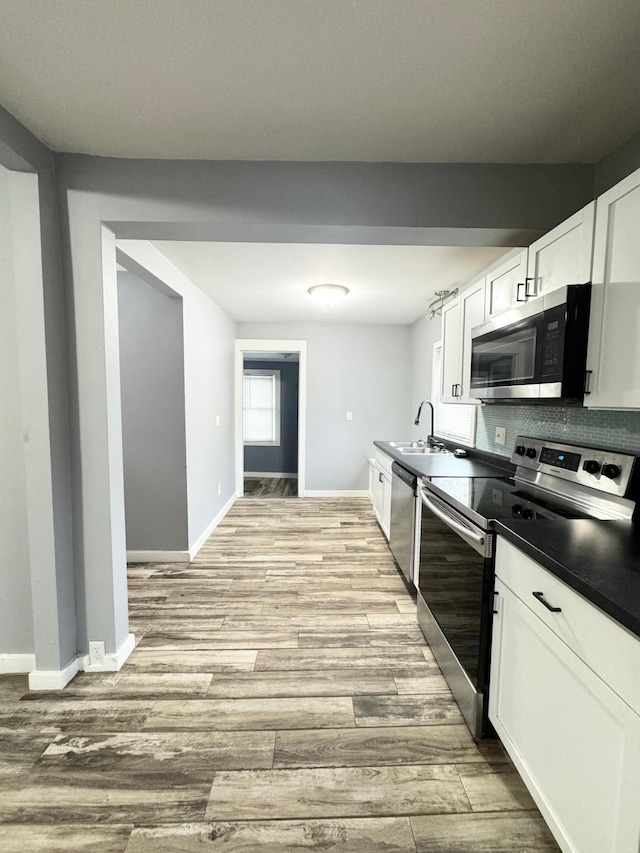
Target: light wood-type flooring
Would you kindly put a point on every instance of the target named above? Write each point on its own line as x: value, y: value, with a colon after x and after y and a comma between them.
x: 270, y: 487
x: 280, y: 698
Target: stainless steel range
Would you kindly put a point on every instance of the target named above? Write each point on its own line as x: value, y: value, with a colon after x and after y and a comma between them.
x: 456, y: 570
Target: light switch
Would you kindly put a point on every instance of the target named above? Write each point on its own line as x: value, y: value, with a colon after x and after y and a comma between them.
x: 349, y: 416
x: 501, y: 435
x: 217, y: 420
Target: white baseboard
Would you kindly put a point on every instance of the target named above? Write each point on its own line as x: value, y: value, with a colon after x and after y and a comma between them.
x: 157, y: 557
x: 111, y: 662
x: 269, y: 475
x: 41, y: 679
x: 336, y: 493
x: 17, y: 663
x: 211, y: 527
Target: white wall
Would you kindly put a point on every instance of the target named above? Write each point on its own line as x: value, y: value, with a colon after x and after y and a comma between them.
x: 424, y: 334
x: 153, y: 416
x: 350, y: 367
x: 16, y: 621
x: 209, y: 346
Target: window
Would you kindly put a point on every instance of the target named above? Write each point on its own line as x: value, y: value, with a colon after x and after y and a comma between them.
x: 453, y: 420
x: 261, y: 407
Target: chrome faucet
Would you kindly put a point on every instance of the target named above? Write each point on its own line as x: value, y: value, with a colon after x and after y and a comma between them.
x: 431, y: 439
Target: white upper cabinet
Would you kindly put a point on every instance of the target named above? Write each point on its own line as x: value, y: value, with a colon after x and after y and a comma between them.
x: 614, y: 333
x: 451, y: 351
x: 506, y: 286
x: 563, y: 256
x: 458, y: 319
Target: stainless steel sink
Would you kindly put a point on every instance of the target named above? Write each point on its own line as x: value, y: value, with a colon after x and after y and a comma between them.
x: 411, y: 451
x: 400, y: 444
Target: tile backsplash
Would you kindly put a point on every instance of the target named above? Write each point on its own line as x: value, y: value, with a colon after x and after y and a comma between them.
x: 602, y: 428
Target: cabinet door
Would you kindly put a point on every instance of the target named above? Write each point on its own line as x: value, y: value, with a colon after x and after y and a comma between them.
x: 372, y: 478
x: 376, y: 488
x: 563, y: 256
x: 451, y: 351
x: 574, y: 741
x: 472, y: 310
x: 502, y: 285
x: 614, y: 349
x: 385, y: 517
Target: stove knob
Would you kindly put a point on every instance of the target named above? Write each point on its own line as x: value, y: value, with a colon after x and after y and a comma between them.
x: 527, y: 513
x: 532, y: 452
x: 591, y: 466
x: 520, y: 448
x: 611, y: 471
x: 516, y: 510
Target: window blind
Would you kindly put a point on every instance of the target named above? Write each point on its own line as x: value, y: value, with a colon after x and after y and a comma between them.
x: 260, y: 407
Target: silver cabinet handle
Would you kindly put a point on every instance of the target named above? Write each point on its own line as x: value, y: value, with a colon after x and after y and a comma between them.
x: 450, y: 522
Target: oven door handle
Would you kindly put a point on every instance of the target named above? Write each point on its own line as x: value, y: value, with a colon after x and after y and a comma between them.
x: 476, y: 540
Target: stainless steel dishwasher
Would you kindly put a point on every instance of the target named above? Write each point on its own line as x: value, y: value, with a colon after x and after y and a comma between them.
x: 403, y: 519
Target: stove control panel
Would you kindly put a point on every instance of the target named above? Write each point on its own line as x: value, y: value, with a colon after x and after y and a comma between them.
x: 606, y: 471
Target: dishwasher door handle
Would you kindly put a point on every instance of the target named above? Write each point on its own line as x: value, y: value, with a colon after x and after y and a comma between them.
x: 476, y: 538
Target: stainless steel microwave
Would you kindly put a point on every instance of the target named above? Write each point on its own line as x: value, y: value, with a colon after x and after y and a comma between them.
x: 536, y: 353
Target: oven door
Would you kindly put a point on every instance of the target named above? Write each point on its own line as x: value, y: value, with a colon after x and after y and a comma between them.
x: 455, y: 585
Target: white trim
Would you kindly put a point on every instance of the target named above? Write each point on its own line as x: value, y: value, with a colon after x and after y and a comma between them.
x: 211, y: 527
x: 183, y: 556
x: 56, y: 679
x: 158, y: 557
x: 17, y: 663
x: 266, y: 475
x: 111, y: 662
x: 336, y: 493
x: 258, y: 345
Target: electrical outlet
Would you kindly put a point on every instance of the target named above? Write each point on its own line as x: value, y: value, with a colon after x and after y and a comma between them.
x: 217, y: 420
x: 501, y: 435
x: 349, y: 416
x: 96, y: 653
x: 219, y: 488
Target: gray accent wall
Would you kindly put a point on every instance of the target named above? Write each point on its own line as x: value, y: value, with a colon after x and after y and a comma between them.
x: 284, y: 457
x: 617, y: 165
x: 16, y: 619
x: 608, y: 429
x: 209, y: 352
x: 42, y: 340
x: 153, y: 416
x: 350, y: 367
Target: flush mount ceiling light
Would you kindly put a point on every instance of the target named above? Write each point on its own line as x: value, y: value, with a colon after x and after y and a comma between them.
x: 328, y: 294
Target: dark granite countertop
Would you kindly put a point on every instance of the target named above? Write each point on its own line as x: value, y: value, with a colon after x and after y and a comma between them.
x: 599, y: 559
x: 446, y: 464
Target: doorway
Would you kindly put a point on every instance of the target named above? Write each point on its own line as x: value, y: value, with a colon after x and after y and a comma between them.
x: 270, y: 397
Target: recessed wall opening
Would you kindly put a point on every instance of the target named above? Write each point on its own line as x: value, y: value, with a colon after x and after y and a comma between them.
x: 270, y: 385
x: 270, y: 417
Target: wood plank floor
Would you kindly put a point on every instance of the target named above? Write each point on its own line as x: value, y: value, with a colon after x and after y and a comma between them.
x: 280, y: 698
x: 270, y: 487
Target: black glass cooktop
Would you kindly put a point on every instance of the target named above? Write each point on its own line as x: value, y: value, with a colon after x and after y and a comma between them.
x: 500, y: 498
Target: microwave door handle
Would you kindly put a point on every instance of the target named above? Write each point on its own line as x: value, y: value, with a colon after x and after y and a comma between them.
x: 475, y: 540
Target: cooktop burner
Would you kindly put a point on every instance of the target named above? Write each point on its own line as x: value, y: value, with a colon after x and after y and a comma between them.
x: 500, y: 498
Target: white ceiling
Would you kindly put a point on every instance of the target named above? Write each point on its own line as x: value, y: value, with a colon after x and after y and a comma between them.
x: 381, y: 80
x: 268, y: 282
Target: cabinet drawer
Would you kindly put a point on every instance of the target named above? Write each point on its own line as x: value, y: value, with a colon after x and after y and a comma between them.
x: 385, y: 462
x: 603, y: 644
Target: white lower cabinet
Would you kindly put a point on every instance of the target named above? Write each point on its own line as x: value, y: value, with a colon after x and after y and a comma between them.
x: 380, y: 486
x: 575, y: 742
